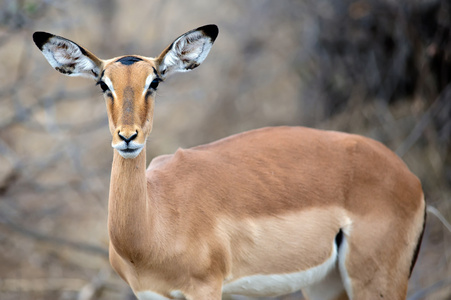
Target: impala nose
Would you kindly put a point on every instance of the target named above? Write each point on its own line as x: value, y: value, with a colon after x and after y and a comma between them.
x: 128, y: 139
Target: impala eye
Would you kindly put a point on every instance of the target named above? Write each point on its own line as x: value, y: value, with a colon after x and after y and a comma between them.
x: 154, y: 84
x: 103, y: 86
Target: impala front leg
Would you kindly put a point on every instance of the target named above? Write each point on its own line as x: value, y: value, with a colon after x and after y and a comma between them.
x: 206, y: 290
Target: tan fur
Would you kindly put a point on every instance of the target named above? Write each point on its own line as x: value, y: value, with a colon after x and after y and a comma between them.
x: 267, y: 201
x: 263, y: 202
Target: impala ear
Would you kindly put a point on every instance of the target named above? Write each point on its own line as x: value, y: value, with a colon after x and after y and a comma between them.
x: 67, y: 57
x: 188, y: 51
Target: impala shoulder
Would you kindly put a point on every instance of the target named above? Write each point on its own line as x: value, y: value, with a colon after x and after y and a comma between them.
x: 159, y: 161
x: 182, y: 161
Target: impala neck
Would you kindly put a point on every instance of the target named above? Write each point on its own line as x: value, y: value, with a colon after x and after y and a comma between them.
x: 128, y: 216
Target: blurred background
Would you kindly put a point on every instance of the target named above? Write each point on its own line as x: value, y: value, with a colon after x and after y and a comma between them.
x: 380, y: 68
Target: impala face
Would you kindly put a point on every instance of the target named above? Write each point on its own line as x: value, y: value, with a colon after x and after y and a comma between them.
x: 130, y: 101
x: 128, y: 83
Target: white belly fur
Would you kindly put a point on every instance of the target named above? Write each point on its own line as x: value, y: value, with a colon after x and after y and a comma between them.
x: 267, y: 285
x: 149, y: 295
x: 280, y: 284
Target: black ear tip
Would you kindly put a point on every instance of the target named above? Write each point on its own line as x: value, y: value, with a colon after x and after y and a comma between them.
x: 40, y: 38
x: 210, y: 30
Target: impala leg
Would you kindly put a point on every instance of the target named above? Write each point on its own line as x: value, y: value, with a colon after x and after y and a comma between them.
x: 374, y: 271
x: 206, y: 291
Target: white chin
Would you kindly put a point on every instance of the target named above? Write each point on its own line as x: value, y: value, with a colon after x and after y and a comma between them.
x: 129, y: 153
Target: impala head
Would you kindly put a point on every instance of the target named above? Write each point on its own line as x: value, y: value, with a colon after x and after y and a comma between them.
x: 128, y: 83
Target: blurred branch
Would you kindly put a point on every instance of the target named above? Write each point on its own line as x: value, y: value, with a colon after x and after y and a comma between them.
x: 10, y: 154
x: 426, y: 292
x: 41, y: 237
x: 29, y: 285
x: 435, y: 212
x: 94, y: 289
x: 8, y: 181
x: 16, y: 15
x: 23, y: 114
x: 427, y: 117
x: 41, y: 285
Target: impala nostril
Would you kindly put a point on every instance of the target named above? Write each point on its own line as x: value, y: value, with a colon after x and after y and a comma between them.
x: 121, y: 136
x: 133, y: 136
x: 128, y: 139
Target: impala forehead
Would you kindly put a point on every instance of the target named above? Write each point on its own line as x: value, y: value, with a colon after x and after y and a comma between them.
x: 129, y: 72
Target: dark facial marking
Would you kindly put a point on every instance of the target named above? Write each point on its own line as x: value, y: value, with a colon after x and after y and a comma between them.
x: 128, y: 106
x: 147, y: 96
x: 128, y: 60
x: 156, y: 74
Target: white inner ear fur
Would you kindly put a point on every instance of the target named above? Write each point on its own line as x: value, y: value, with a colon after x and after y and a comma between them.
x: 186, y: 50
x: 65, y: 55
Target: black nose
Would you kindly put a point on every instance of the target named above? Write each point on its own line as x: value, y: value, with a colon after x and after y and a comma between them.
x: 128, y: 139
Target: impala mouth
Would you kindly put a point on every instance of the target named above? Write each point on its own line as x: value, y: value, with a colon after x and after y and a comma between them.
x: 130, y: 150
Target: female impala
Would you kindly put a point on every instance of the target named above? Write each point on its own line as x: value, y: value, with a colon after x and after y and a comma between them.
x: 262, y: 213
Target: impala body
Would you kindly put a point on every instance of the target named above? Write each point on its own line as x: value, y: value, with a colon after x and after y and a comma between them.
x: 262, y: 213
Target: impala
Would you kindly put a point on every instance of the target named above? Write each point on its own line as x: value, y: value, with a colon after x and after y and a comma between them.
x: 262, y: 213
